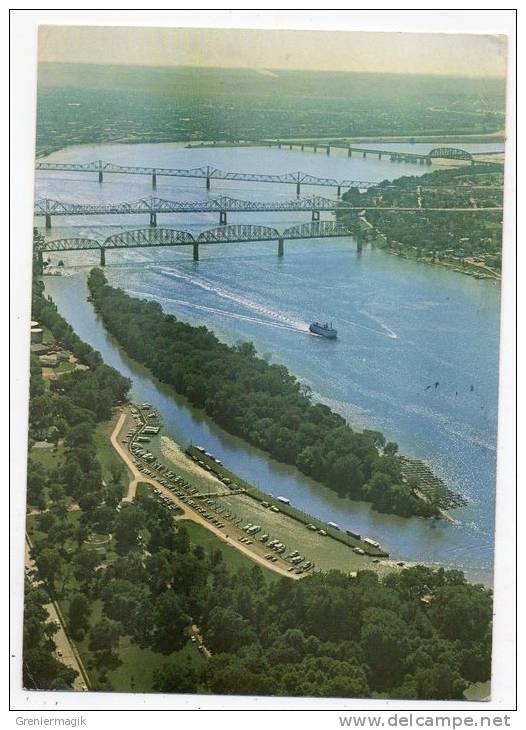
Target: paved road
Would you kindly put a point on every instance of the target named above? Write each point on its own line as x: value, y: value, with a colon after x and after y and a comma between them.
x: 66, y: 653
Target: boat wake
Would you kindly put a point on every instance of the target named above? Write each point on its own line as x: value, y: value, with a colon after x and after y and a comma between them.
x: 224, y: 293
x: 214, y: 310
x: 382, y: 333
x: 387, y: 330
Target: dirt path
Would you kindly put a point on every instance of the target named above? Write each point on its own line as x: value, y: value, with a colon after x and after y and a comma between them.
x: 187, y: 512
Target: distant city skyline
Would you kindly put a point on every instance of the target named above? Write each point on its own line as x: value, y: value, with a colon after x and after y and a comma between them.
x: 268, y: 51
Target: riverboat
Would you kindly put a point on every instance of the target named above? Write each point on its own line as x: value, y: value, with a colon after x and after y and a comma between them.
x: 324, y: 330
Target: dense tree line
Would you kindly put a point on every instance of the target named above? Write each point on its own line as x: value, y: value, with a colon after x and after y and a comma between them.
x: 66, y: 412
x: 260, y: 402
x: 423, y: 633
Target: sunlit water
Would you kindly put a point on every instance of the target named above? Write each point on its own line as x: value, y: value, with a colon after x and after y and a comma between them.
x: 401, y: 327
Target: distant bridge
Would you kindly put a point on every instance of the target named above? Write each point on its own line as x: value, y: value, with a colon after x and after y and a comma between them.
x: 153, y: 237
x: 152, y: 206
x: 206, y: 172
x: 446, y: 153
x: 450, y: 153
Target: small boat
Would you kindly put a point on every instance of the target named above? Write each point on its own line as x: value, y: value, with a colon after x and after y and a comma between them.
x: 324, y: 330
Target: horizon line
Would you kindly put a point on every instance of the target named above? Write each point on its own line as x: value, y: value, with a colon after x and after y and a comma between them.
x: 259, y: 70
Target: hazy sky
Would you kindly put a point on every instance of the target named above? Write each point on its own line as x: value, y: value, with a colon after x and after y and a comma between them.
x: 464, y: 55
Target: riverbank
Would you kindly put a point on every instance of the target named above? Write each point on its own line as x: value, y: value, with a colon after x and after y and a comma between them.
x: 227, y: 513
x: 395, y: 248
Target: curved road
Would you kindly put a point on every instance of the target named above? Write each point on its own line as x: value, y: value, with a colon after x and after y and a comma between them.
x: 187, y: 512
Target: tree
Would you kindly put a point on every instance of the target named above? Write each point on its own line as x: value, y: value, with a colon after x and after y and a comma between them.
x: 104, y: 635
x: 462, y: 612
x: 176, y: 678
x: 169, y: 623
x: 128, y: 525
x: 79, y: 612
x: 50, y: 564
x: 384, y: 639
x: 439, y: 682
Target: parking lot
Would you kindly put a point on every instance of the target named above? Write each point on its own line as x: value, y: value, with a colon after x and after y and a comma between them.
x: 258, y: 530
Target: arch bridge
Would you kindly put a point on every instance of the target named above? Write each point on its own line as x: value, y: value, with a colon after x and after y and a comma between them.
x: 154, y: 237
x: 450, y: 153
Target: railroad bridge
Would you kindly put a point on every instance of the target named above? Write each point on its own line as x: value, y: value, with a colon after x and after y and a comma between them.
x: 205, y: 172
x: 153, y: 237
x: 446, y: 153
x: 153, y: 206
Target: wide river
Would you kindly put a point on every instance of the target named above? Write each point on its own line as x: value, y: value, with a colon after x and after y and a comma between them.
x: 401, y: 327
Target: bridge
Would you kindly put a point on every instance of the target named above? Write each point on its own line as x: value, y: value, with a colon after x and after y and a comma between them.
x: 206, y: 172
x: 447, y: 153
x: 153, y: 206
x: 153, y: 237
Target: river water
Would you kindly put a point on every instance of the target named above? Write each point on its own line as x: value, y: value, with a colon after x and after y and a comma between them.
x: 402, y: 326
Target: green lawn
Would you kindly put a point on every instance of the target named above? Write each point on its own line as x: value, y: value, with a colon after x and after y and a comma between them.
x: 234, y: 558
x: 106, y: 454
x: 49, y: 458
x: 138, y: 665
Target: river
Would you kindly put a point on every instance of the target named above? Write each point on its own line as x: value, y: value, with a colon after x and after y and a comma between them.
x: 402, y: 326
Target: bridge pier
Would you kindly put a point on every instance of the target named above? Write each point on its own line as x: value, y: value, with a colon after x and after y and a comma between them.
x: 280, y: 247
x: 102, y: 256
x: 290, y: 146
x: 339, y: 191
x: 208, y: 183
x: 315, y: 215
x: 40, y: 263
x: 154, y: 180
x: 315, y: 148
x: 328, y: 150
x: 196, y: 251
x: 359, y: 243
x: 349, y: 151
x: 153, y: 219
x: 364, y: 154
x: 302, y: 147
x: 222, y: 217
x: 379, y: 155
x: 48, y: 220
x: 101, y: 177
x: 428, y: 160
x: 298, y: 189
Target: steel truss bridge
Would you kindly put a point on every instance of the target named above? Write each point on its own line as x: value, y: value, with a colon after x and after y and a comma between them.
x: 152, y: 237
x: 152, y: 206
x: 206, y: 172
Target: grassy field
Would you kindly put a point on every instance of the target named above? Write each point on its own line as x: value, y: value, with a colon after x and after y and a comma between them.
x: 298, y: 515
x: 109, y: 460
x: 138, y: 665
